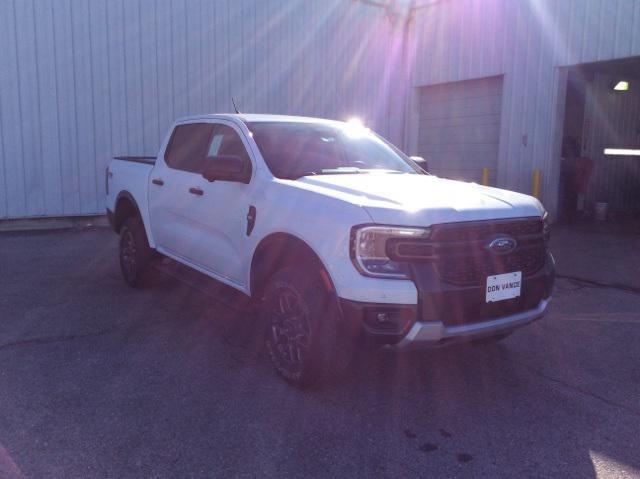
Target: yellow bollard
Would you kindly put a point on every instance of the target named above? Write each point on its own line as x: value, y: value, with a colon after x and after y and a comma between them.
x: 535, y: 187
x: 485, y: 176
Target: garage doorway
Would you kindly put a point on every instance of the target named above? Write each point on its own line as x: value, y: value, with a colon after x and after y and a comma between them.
x: 459, y: 128
x: 600, y: 156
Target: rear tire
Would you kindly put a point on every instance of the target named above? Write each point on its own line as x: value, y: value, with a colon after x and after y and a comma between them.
x: 135, y: 253
x: 300, y: 322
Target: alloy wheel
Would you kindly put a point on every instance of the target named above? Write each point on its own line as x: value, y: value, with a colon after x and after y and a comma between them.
x: 290, y: 330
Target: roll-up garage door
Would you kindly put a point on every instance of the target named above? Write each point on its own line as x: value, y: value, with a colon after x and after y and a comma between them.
x: 459, y: 128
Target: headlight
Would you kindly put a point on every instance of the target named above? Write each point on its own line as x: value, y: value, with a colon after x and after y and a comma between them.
x: 369, y: 250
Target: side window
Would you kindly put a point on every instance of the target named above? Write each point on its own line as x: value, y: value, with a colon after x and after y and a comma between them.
x: 188, y: 146
x: 226, y: 142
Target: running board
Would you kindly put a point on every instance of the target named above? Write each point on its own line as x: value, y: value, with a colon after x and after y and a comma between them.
x: 216, y: 290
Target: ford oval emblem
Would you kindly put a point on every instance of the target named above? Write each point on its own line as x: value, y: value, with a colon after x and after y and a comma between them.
x: 502, y: 245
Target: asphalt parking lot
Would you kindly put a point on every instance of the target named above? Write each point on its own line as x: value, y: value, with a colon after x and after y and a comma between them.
x: 99, y: 380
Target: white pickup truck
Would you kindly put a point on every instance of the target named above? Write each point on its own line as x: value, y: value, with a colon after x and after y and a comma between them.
x: 334, y: 234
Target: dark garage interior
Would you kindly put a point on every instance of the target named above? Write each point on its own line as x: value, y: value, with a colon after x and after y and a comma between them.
x: 600, y: 166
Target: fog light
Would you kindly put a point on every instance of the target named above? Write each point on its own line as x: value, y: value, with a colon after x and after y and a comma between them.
x: 388, y: 320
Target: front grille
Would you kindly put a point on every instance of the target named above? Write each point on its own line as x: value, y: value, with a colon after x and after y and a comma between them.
x: 473, y: 269
x: 469, y: 262
x: 459, y: 254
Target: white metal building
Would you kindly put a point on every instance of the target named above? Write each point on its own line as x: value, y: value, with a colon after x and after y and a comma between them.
x: 501, y: 69
x: 84, y: 80
x: 469, y: 84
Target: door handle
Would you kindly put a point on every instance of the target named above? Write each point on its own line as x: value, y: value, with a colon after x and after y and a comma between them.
x: 196, y: 191
x: 157, y: 181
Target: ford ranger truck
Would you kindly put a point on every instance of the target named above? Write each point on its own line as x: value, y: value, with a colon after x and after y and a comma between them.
x: 335, y: 235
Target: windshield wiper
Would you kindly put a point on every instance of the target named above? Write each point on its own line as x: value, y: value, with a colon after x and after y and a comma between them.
x: 342, y: 170
x: 330, y: 171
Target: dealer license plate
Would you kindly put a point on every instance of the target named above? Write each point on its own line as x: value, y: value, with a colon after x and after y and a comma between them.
x: 503, y: 286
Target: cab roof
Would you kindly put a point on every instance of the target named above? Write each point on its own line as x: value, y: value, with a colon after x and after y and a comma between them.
x: 258, y: 117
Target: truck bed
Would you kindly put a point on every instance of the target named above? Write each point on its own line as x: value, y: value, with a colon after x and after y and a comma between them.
x: 129, y: 175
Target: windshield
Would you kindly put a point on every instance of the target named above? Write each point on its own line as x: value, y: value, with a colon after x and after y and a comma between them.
x: 292, y: 150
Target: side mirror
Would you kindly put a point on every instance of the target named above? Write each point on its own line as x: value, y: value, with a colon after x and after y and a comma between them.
x: 227, y: 168
x: 421, y: 162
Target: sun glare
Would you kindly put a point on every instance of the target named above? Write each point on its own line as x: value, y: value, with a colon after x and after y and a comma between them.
x: 355, y: 128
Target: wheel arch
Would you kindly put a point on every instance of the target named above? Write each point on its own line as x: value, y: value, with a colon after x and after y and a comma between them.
x: 126, y: 207
x: 278, y: 250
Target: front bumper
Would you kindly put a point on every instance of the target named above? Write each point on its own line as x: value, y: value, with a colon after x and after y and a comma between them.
x: 435, y: 333
x: 445, y: 313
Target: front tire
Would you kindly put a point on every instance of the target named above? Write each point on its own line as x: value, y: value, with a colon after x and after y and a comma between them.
x: 300, y: 326
x: 135, y: 253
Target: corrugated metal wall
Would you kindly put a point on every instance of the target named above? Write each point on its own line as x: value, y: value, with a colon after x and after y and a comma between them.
x: 526, y: 40
x: 84, y: 80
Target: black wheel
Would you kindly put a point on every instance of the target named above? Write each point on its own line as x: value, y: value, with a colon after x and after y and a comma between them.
x: 300, y: 326
x: 135, y: 253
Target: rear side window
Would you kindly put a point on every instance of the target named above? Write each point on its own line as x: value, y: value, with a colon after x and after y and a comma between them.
x: 188, y: 146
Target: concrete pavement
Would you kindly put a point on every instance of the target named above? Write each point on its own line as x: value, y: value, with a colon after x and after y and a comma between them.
x: 99, y: 380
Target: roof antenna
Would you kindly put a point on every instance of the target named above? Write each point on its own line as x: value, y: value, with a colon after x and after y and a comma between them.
x: 234, y: 105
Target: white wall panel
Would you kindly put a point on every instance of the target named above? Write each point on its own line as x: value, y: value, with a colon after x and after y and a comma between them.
x: 48, y: 110
x: 14, y: 165
x: 29, y: 123
x: 84, y: 118
x: 100, y: 97
x: 164, y: 67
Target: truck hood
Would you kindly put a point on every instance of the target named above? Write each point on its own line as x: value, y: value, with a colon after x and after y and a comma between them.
x: 422, y: 200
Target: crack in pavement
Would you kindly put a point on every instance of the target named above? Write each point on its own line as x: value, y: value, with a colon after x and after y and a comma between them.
x: 55, y: 339
x: 591, y: 283
x: 123, y: 327
x: 577, y: 389
x: 599, y: 319
x: 73, y: 336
